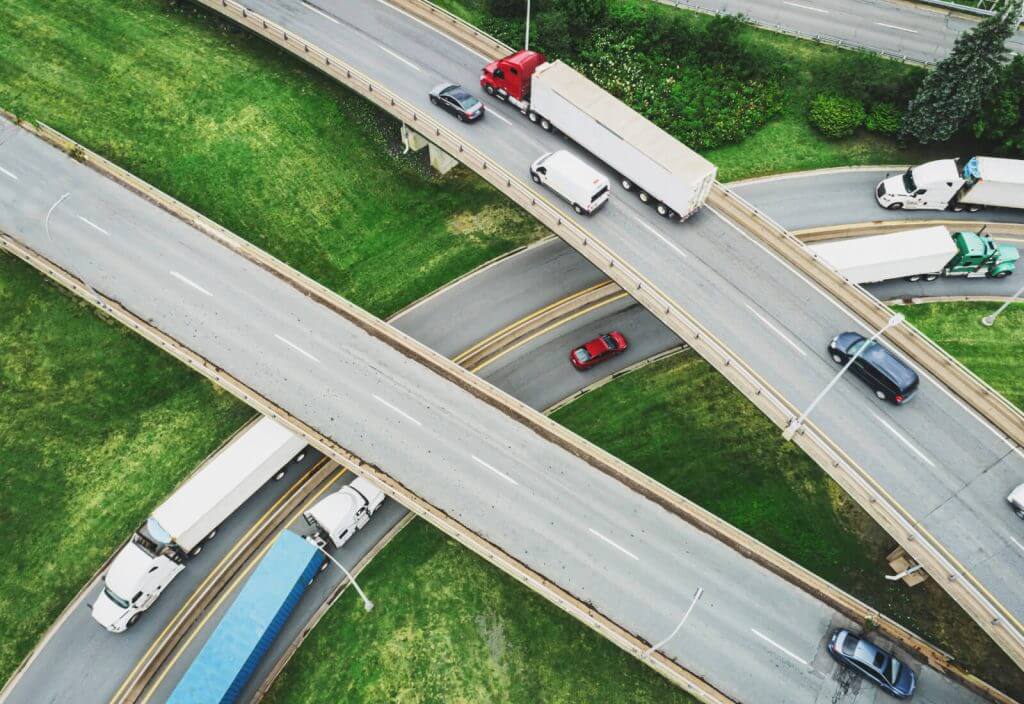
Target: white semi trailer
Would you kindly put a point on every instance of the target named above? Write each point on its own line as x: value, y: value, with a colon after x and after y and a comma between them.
x: 922, y: 254
x: 179, y: 527
x: 651, y: 162
x: 955, y: 184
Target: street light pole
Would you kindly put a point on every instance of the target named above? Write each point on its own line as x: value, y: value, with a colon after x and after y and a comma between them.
x: 696, y: 597
x: 990, y: 320
x: 795, y: 424
x: 367, y: 604
x: 527, y: 45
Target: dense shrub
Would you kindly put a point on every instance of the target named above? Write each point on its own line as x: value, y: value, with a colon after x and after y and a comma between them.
x: 1001, y: 118
x: 836, y: 116
x: 884, y: 118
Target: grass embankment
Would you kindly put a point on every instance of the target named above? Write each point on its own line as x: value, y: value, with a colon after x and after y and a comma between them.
x: 685, y: 425
x: 254, y: 139
x: 97, y: 425
x: 448, y: 627
x: 802, y: 69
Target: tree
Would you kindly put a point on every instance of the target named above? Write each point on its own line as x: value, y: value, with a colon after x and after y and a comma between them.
x: 1001, y: 120
x: 953, y: 91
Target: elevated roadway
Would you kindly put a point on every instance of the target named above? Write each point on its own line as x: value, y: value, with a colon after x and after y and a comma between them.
x: 934, y: 473
x: 443, y: 449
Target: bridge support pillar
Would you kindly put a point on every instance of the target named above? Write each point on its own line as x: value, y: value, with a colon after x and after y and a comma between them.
x: 439, y: 159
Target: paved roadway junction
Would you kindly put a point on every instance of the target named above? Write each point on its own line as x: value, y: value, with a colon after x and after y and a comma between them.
x: 948, y: 468
x: 755, y: 636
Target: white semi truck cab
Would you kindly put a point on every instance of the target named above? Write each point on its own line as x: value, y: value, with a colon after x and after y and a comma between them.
x: 181, y: 525
x: 338, y: 516
x: 955, y: 184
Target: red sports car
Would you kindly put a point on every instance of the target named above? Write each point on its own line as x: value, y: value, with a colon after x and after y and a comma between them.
x: 598, y: 350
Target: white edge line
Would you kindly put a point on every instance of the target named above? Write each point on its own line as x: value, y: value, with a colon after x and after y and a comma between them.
x: 787, y: 652
x: 400, y: 58
x: 434, y: 29
x: 776, y: 330
x: 903, y: 439
x: 93, y: 225
x: 9, y: 173
x: 614, y: 544
x: 397, y: 410
x: 1017, y: 543
x: 189, y: 282
x: 319, y: 12
x: 297, y: 348
x: 660, y: 236
x: 493, y: 113
x: 892, y: 26
x: 805, y: 7
x: 496, y: 471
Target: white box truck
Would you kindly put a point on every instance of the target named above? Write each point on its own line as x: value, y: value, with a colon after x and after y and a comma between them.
x: 955, y: 184
x: 921, y: 254
x: 338, y: 516
x: 178, y: 528
x: 651, y: 162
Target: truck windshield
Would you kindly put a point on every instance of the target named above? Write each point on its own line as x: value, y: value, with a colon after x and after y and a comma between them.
x: 908, y: 181
x: 123, y: 603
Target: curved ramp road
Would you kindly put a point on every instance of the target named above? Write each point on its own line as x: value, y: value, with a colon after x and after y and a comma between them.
x: 947, y: 469
x: 899, y: 29
x: 754, y: 635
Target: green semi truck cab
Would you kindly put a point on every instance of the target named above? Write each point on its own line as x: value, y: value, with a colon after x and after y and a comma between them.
x: 978, y: 255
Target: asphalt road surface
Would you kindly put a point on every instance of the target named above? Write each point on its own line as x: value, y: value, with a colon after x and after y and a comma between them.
x: 902, y: 29
x: 754, y: 635
x: 946, y: 467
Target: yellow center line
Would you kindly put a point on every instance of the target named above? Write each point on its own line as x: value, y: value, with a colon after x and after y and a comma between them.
x: 198, y: 590
x: 462, y: 356
x: 236, y: 582
x: 548, y: 329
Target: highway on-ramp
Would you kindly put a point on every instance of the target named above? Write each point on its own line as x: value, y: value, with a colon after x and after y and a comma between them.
x: 939, y: 465
x: 754, y: 635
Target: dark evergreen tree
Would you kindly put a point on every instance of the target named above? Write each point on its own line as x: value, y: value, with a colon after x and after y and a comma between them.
x: 952, y: 92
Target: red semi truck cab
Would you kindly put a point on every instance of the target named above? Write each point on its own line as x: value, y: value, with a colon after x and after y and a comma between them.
x: 509, y: 78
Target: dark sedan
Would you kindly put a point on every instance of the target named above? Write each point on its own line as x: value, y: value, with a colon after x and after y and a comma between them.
x: 458, y: 101
x: 871, y: 662
x: 888, y: 376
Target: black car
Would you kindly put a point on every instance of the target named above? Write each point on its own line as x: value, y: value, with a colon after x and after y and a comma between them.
x: 873, y: 663
x: 458, y: 101
x: 887, y: 375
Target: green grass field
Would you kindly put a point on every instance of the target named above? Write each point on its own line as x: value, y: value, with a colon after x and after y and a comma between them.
x: 97, y: 427
x: 250, y: 137
x: 448, y: 627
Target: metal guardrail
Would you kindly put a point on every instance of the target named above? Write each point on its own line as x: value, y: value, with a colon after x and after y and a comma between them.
x: 773, y: 404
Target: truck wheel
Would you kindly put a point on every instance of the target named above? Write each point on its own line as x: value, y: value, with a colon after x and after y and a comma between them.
x: 134, y: 619
x: 957, y: 208
x: 577, y: 208
x: 931, y: 277
x: 627, y: 185
x: 489, y: 89
x: 299, y: 457
x: 533, y: 116
x: 196, y: 550
x: 280, y: 475
x: 545, y: 124
x: 535, y: 177
x: 211, y: 536
x: 973, y: 208
x: 644, y: 198
x: 1001, y: 274
x: 894, y: 206
x: 663, y: 210
x: 914, y: 279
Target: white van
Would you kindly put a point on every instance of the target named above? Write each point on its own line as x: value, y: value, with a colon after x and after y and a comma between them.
x: 570, y: 177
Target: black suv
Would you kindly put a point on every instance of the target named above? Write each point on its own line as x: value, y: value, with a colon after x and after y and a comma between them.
x: 887, y: 375
x: 870, y: 661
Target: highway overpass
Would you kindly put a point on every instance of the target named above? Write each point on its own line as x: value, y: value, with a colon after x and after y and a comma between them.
x: 498, y: 477
x: 934, y: 474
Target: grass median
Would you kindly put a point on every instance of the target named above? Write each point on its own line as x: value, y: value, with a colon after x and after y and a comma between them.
x: 683, y: 424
